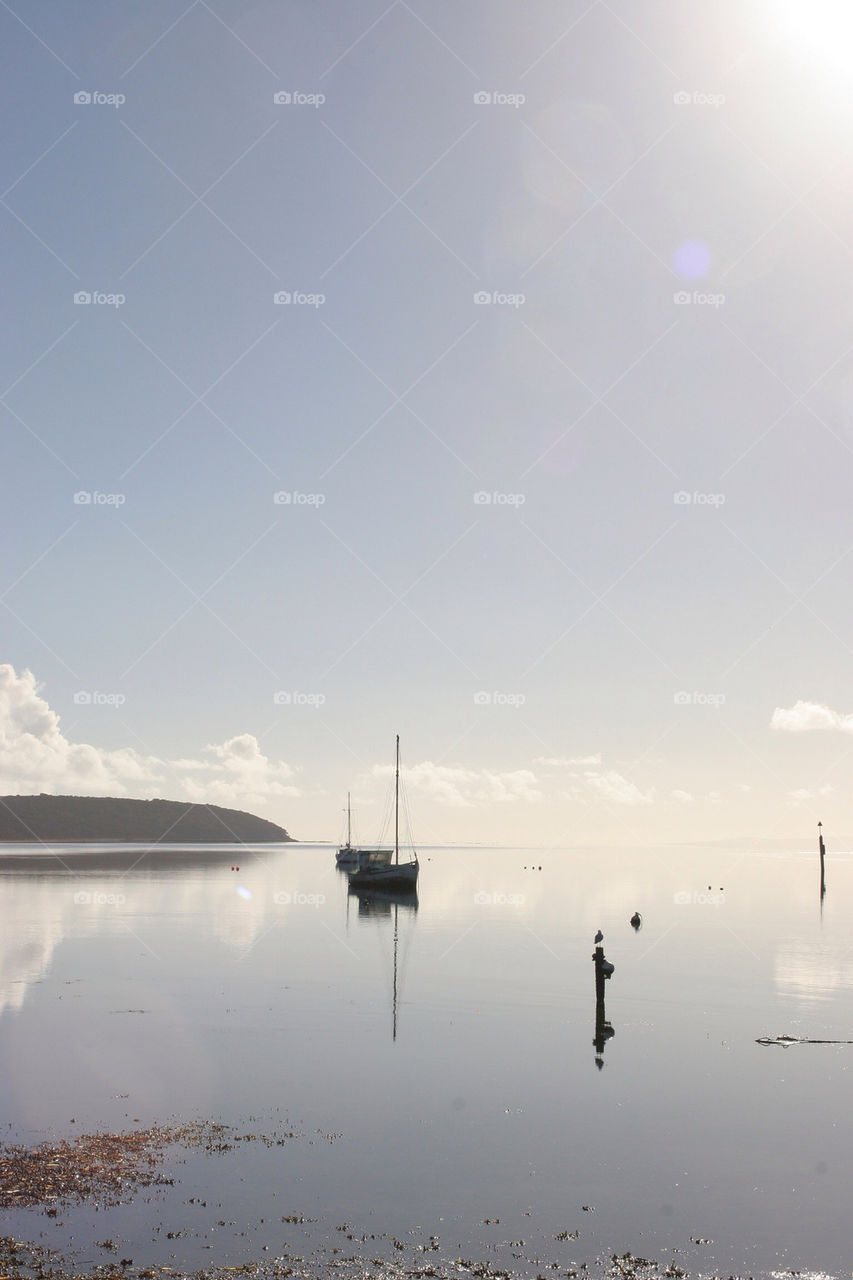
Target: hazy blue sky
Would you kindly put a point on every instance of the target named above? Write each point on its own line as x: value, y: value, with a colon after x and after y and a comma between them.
x: 656, y: 399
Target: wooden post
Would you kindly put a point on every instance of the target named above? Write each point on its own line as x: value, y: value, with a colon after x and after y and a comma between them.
x: 822, y: 852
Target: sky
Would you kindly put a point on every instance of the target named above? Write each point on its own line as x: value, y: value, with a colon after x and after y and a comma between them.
x: 478, y: 372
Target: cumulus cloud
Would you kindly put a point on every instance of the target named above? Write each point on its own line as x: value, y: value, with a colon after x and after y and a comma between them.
x: 612, y: 786
x: 466, y: 788
x: 806, y: 717
x: 36, y: 756
x: 801, y: 794
x: 589, y: 781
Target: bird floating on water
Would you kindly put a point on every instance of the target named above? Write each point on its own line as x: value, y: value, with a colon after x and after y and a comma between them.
x: 636, y: 920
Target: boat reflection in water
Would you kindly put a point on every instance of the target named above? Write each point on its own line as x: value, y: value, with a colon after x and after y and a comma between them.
x: 377, y: 904
x: 383, y: 904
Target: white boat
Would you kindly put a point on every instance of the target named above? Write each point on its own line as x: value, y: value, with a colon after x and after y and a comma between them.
x: 348, y: 854
x: 373, y: 872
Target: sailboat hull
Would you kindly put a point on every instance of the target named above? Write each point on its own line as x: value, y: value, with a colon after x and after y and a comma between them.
x: 402, y: 878
x: 352, y: 856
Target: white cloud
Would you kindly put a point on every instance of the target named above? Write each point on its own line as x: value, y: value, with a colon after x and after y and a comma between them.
x: 466, y: 788
x: 683, y: 797
x: 610, y: 785
x: 36, y: 756
x: 808, y: 793
x: 806, y: 717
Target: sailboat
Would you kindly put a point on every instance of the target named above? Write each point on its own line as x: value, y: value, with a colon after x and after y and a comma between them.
x: 375, y: 873
x: 348, y: 855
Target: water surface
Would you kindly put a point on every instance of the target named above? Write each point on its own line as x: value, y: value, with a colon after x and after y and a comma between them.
x: 139, y: 986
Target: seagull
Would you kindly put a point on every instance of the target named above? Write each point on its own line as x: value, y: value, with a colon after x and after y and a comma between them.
x: 599, y: 937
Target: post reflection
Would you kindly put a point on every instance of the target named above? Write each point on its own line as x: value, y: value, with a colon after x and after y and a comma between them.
x: 603, y: 1029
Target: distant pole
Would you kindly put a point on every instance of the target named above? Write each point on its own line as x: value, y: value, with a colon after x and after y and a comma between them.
x: 397, y: 807
x: 822, y: 851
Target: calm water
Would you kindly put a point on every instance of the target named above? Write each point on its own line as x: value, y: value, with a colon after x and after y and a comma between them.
x: 145, y: 986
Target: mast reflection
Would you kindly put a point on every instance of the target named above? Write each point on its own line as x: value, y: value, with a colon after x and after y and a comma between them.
x: 379, y: 904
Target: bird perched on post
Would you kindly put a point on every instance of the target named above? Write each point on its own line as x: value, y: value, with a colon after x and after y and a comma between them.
x: 599, y: 937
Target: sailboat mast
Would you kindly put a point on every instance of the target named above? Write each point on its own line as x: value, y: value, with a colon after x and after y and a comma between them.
x: 397, y: 808
x: 349, y: 824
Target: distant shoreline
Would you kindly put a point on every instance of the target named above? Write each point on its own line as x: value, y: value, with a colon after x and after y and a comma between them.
x: 48, y: 819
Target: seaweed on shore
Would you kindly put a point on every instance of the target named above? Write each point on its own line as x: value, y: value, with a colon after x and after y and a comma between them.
x: 106, y: 1166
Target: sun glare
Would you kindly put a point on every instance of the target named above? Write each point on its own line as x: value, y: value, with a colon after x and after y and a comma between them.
x: 822, y: 29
